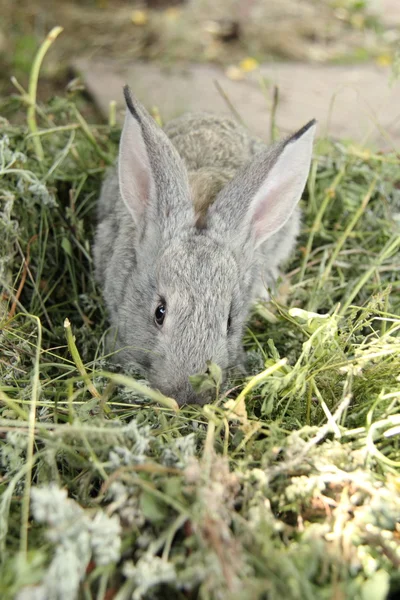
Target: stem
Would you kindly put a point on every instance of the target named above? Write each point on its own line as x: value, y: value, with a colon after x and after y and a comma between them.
x: 78, y: 361
x: 225, y: 97
x: 255, y: 427
x: 143, y: 390
x: 14, y: 406
x: 112, y: 114
x: 86, y: 130
x: 274, y: 108
x: 32, y: 90
x: 176, y: 525
x: 329, y: 417
x: 53, y: 130
x: 31, y: 442
x: 257, y: 379
x: 208, y: 451
x: 309, y: 402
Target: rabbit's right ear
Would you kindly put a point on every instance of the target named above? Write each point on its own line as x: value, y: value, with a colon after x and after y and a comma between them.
x: 152, y: 176
x: 136, y: 181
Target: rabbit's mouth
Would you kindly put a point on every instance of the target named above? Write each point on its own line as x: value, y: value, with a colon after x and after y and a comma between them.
x: 189, y: 396
x: 186, y: 394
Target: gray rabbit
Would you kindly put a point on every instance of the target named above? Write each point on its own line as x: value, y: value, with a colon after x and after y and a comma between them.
x: 193, y: 225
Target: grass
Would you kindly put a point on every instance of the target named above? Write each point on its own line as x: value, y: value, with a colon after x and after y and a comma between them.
x: 287, y: 486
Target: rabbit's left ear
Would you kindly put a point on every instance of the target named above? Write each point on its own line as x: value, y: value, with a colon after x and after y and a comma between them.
x: 262, y: 197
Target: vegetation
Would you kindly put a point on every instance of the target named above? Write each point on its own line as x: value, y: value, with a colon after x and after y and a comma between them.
x: 287, y: 486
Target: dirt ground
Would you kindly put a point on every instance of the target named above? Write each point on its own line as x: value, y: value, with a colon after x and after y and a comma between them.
x: 319, y: 31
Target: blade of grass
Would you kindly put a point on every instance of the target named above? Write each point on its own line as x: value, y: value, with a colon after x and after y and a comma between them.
x: 390, y: 248
x: 350, y: 226
x: 231, y: 107
x: 329, y: 194
x: 78, y: 361
x: 32, y: 89
x: 87, y: 131
x: 142, y: 390
x: 257, y: 379
x: 112, y: 114
x: 274, y: 108
x: 14, y: 406
x: 31, y: 442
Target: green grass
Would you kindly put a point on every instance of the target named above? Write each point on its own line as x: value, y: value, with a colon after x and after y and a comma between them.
x: 288, y: 490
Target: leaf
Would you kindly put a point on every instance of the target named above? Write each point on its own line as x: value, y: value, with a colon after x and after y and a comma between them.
x: 211, y: 379
x: 215, y: 372
x: 66, y: 246
x: 201, y: 382
x: 173, y: 488
x: 236, y: 411
x: 376, y: 587
x: 313, y: 320
x: 152, y: 508
x: 86, y: 410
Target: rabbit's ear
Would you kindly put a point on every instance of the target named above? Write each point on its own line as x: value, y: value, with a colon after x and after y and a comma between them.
x: 261, y: 197
x: 152, y: 177
x: 136, y: 181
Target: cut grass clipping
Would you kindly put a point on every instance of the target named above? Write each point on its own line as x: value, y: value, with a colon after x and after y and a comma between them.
x: 286, y: 487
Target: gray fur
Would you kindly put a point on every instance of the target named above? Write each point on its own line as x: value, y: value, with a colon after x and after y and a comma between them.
x: 180, y: 225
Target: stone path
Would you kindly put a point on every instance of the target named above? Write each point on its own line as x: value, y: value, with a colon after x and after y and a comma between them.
x: 359, y: 102
x: 388, y: 11
x: 354, y: 102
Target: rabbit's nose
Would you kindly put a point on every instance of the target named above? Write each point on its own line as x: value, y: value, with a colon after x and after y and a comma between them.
x: 185, y: 394
x: 182, y: 391
x: 189, y: 396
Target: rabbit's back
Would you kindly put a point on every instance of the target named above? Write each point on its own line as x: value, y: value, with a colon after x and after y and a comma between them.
x: 213, y: 148
x: 215, y: 141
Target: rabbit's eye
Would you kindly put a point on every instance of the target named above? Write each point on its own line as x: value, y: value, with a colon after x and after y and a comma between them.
x: 228, y: 325
x: 160, y: 313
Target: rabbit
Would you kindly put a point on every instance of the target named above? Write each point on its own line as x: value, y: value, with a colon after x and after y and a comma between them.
x: 193, y: 224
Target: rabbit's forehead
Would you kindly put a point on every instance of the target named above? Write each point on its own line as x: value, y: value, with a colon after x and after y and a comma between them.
x: 197, y: 262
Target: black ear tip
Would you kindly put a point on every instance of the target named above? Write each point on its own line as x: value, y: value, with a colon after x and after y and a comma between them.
x: 127, y: 93
x: 303, y: 130
x: 129, y: 102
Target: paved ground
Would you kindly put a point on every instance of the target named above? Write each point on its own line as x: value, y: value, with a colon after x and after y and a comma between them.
x: 388, y: 10
x: 358, y: 102
x: 349, y: 101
